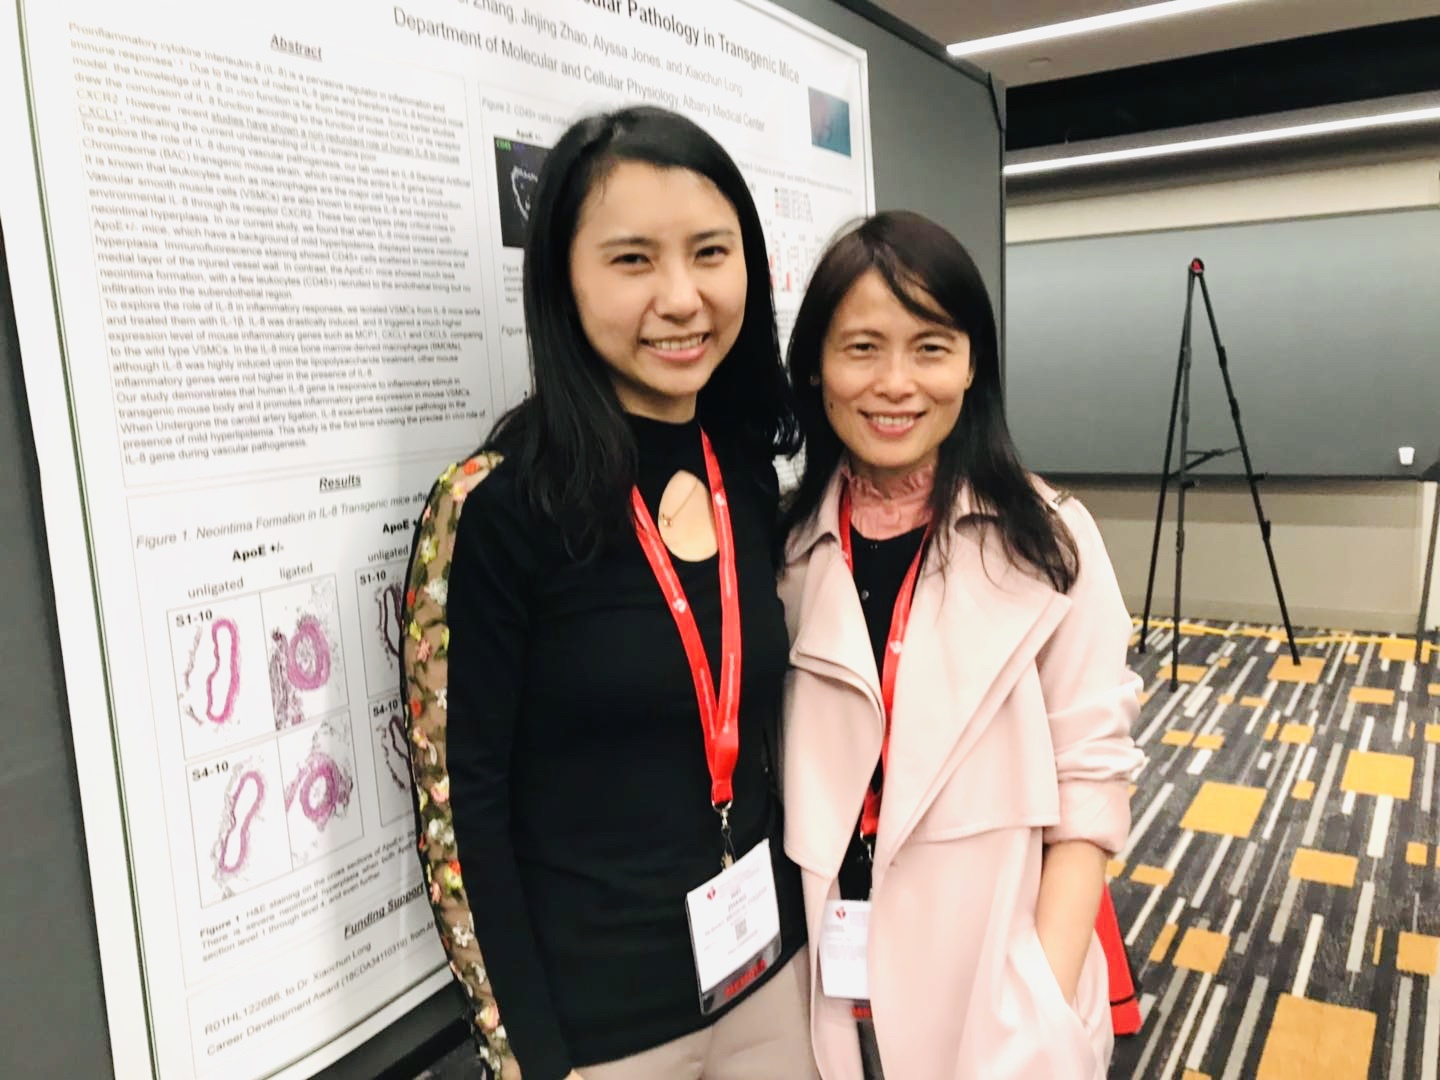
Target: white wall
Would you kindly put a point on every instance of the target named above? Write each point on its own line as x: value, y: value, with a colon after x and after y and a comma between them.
x: 1350, y: 554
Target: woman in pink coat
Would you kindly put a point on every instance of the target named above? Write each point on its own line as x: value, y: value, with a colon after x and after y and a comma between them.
x: 951, y: 806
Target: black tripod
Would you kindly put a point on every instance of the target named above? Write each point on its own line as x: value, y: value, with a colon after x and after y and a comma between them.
x: 1422, y: 658
x: 1193, y: 459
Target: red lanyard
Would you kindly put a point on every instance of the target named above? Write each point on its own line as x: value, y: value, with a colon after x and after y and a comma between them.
x: 719, y: 713
x: 899, y: 618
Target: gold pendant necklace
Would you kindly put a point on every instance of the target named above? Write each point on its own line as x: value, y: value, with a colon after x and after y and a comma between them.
x: 668, y: 520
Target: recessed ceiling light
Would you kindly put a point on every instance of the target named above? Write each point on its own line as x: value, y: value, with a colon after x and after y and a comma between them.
x: 1040, y: 62
x: 1219, y: 142
x: 1088, y: 25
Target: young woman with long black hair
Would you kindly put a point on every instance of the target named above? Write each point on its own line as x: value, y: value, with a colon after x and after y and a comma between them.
x: 596, y: 652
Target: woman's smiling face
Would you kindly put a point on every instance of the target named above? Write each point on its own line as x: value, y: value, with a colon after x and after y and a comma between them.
x: 658, y: 270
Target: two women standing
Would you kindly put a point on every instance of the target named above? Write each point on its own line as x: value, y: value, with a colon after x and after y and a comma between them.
x: 596, y: 683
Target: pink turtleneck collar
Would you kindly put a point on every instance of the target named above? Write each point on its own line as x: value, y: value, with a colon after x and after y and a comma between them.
x: 893, y: 507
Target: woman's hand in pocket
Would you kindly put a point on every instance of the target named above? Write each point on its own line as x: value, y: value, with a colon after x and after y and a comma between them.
x: 1071, y: 881
x: 1064, y: 967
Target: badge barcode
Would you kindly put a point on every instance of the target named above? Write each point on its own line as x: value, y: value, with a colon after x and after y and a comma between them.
x: 740, y: 929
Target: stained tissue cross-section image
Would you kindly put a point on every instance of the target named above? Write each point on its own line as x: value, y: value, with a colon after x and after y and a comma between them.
x: 380, y: 593
x: 305, y: 657
x: 238, y: 821
x: 517, y: 171
x: 224, y: 666
x: 217, y: 653
x: 392, y: 765
x: 307, y: 670
x: 321, y: 804
x: 391, y: 603
x: 242, y: 802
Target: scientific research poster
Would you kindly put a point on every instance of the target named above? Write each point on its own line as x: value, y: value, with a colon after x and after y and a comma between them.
x: 266, y: 260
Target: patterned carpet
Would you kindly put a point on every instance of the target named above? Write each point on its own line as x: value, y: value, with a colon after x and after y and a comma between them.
x: 1280, y: 894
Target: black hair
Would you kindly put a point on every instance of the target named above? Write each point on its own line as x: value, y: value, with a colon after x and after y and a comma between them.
x: 933, y: 276
x: 570, y: 439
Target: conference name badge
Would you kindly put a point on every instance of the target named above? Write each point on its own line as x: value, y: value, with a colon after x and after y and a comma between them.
x: 734, y: 928
x: 844, y: 950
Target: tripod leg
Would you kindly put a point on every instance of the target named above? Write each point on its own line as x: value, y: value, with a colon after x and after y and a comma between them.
x: 1181, y: 483
x: 1182, y: 398
x: 1250, y: 475
x: 1165, y: 477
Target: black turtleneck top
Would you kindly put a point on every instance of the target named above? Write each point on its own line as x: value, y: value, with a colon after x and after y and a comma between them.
x: 578, y: 782
x: 880, y: 569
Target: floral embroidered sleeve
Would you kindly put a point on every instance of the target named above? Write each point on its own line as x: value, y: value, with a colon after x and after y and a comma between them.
x: 467, y: 591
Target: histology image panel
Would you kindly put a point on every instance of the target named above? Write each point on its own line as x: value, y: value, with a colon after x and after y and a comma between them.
x: 517, y: 174
x: 321, y: 803
x: 380, y: 592
x: 222, y: 691
x: 237, y: 812
x: 392, y: 760
x: 305, y: 663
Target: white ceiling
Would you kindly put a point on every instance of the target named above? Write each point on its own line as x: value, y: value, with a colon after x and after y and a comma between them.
x: 1230, y: 27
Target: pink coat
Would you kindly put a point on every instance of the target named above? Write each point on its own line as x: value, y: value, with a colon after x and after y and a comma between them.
x: 1013, y: 709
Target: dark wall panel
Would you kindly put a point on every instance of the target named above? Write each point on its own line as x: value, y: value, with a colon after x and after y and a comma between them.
x: 1331, y: 325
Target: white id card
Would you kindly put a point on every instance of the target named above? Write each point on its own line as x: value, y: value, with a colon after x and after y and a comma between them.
x: 844, y: 940
x: 734, y: 928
